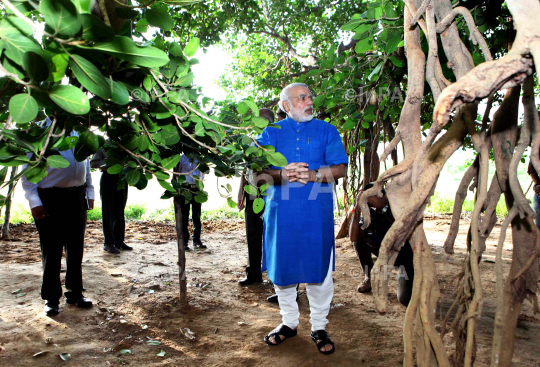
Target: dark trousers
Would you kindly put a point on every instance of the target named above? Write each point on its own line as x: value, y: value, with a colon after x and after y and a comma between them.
x: 367, y: 246
x: 63, y: 228
x: 113, y: 204
x: 195, y: 216
x: 254, y: 235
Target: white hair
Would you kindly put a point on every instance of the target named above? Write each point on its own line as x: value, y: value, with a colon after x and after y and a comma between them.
x: 286, y: 95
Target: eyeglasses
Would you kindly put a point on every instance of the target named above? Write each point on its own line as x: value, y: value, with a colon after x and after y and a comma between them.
x: 302, y: 97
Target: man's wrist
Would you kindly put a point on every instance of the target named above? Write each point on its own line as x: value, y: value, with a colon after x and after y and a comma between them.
x: 312, y: 175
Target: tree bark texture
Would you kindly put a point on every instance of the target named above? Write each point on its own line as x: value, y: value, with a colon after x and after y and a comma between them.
x: 9, y: 199
x: 413, y: 180
x: 181, y: 243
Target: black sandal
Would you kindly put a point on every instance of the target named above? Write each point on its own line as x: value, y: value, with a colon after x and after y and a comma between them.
x: 324, y: 338
x: 284, y: 330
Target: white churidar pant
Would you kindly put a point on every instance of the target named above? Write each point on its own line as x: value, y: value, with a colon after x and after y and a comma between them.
x: 319, y: 295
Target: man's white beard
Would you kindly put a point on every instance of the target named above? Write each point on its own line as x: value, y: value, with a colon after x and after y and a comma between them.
x: 300, y: 116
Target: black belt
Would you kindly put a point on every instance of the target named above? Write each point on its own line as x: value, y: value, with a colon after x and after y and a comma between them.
x: 72, y: 188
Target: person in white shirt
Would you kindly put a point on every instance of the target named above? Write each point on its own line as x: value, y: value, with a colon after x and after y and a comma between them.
x: 59, y: 203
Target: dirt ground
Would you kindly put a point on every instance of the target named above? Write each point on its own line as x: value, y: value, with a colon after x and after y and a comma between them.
x: 136, y: 306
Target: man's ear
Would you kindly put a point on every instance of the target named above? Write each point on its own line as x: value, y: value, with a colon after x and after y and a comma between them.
x: 286, y: 106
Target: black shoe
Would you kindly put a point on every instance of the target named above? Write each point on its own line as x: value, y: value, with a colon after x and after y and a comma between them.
x: 273, y: 298
x: 79, y: 301
x: 111, y: 248
x: 248, y: 281
x: 199, y: 244
x: 188, y: 248
x: 52, y: 309
x: 123, y: 246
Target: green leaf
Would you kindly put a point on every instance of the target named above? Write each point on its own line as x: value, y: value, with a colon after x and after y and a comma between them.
x: 133, y: 177
x: 125, y: 49
x: 242, y: 108
x: 250, y: 189
x: 199, y: 129
x: 161, y: 354
x: 186, y: 80
x: 159, y: 17
x: 393, y: 42
x: 167, y: 186
x: 14, y: 25
x: 17, y: 45
x: 60, y: 62
x: 70, y: 98
x: 264, y: 187
x: 22, y: 5
x: 363, y: 45
x: 94, y: 29
x: 170, y: 137
x: 127, y: 13
x: 89, y: 76
x: 61, y: 16
x: 3, y: 173
x: 119, y: 93
x: 36, y: 67
x: 314, y: 72
x: 153, y: 342
x: 36, y: 173
x: 361, y: 30
x: 171, y: 162
x: 192, y: 46
x: 175, y: 49
x: 88, y: 144
x: 370, y: 118
x: 277, y: 159
x: 258, y: 205
x: 376, y: 70
x: 201, y: 198
x: 125, y: 352
x: 84, y: 6
x: 57, y: 161
x: 116, y: 169
x: 231, y: 203
x: 68, y: 142
x: 352, y: 24
x: 319, y: 101
x: 23, y: 108
x: 397, y: 62
x: 252, y: 105
x: 350, y: 124
x: 260, y: 122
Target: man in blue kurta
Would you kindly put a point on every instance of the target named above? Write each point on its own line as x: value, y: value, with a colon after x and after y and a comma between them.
x: 299, y: 224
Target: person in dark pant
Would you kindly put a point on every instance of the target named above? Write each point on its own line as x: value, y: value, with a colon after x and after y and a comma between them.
x: 113, y: 204
x: 370, y: 243
x: 189, y: 166
x: 254, y: 235
x: 59, y: 203
x: 254, y: 221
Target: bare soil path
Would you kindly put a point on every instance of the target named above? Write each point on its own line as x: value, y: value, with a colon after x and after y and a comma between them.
x: 136, y: 301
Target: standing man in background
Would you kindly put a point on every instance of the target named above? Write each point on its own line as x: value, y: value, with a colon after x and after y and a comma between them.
x: 113, y: 204
x: 299, y: 223
x: 254, y: 221
x: 189, y: 166
x: 59, y: 203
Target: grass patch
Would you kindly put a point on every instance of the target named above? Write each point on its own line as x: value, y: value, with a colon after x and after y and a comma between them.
x: 19, y: 214
x: 135, y: 211
x: 442, y: 205
x: 223, y: 212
